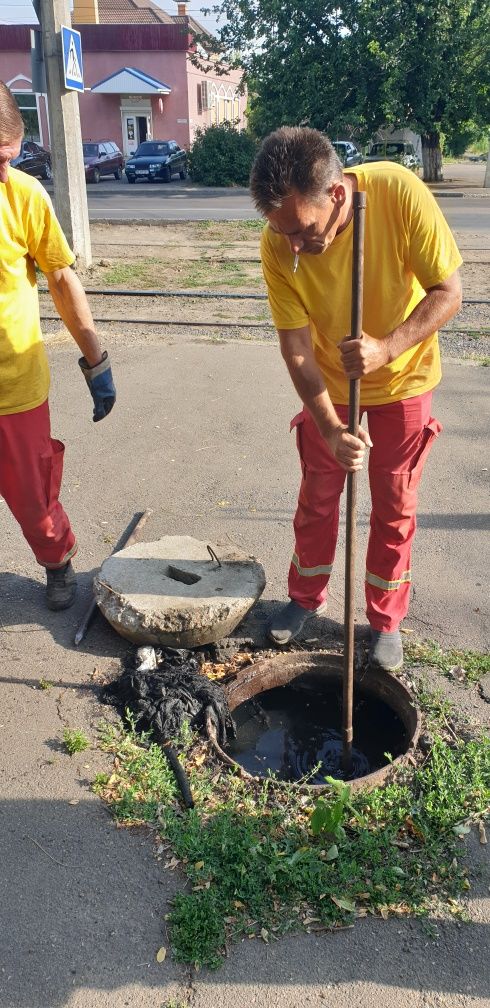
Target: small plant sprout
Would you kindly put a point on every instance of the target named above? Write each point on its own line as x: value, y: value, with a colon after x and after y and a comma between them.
x: 75, y: 740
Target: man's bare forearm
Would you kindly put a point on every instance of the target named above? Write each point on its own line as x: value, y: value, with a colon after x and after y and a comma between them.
x: 71, y: 303
x: 360, y: 357
x: 308, y: 380
x: 438, y: 306
x: 297, y: 351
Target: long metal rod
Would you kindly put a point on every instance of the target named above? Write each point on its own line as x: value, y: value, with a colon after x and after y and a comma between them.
x: 359, y: 207
x: 129, y: 536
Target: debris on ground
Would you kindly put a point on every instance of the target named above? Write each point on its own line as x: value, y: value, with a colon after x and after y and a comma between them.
x: 164, y: 688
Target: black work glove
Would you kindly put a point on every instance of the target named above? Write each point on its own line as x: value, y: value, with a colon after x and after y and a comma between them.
x: 101, y: 385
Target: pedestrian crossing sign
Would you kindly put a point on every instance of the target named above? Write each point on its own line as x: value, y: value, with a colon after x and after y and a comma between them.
x: 72, y: 59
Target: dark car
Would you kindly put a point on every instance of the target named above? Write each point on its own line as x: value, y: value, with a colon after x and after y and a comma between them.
x: 157, y: 160
x: 347, y: 153
x: 102, y: 157
x: 34, y: 160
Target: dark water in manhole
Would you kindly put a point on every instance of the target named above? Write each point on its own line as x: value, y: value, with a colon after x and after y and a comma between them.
x: 291, y: 729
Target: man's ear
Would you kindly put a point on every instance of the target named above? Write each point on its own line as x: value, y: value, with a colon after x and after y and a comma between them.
x: 338, y: 193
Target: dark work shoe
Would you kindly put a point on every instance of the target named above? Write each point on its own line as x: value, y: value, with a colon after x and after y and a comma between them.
x: 386, y: 651
x: 61, y: 587
x: 284, y: 627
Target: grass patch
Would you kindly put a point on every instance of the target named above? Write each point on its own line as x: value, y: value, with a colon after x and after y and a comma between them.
x: 141, y: 274
x: 230, y: 231
x: 208, y: 274
x: 75, y: 740
x: 261, y: 861
x: 474, y: 664
x: 131, y: 274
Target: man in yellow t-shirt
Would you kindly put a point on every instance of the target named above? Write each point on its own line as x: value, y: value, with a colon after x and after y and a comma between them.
x: 31, y: 461
x: 411, y: 288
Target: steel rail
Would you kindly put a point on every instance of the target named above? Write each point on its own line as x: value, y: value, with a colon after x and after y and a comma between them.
x: 150, y: 292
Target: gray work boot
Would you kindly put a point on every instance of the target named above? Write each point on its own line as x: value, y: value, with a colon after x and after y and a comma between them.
x: 386, y: 650
x: 61, y: 587
x: 284, y: 627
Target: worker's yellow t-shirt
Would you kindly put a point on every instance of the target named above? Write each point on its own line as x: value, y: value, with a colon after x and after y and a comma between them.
x: 29, y: 234
x: 408, y: 248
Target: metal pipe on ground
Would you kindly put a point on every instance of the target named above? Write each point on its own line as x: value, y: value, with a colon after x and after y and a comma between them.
x: 129, y: 536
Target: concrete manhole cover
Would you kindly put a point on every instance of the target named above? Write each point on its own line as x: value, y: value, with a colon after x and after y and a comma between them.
x: 175, y: 593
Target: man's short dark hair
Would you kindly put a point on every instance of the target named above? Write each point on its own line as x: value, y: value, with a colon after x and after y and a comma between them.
x: 11, y: 122
x: 293, y: 157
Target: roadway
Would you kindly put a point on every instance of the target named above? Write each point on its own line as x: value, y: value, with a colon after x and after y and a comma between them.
x: 117, y: 201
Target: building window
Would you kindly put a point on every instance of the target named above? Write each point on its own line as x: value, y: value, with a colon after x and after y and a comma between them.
x: 28, y: 109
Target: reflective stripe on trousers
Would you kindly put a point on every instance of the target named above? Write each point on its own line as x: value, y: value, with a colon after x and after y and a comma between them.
x: 402, y: 434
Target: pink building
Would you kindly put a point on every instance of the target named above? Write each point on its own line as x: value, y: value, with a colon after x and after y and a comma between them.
x: 138, y: 75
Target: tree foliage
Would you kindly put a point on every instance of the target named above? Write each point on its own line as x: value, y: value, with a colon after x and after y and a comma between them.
x: 353, y: 66
x: 221, y: 156
x: 435, y: 62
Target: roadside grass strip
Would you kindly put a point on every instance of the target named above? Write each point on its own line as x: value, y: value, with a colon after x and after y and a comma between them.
x: 182, y: 274
x: 466, y: 666
x: 261, y: 861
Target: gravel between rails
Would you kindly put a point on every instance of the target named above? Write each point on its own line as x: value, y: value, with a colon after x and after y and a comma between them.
x: 174, y: 319
x: 464, y: 337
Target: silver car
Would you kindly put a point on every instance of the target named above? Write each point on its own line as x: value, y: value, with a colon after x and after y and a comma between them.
x: 348, y: 154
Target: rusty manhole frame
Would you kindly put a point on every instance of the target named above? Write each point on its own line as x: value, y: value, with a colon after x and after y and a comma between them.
x: 282, y: 668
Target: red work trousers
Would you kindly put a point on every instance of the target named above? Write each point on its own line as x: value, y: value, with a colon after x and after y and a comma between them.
x: 31, y: 466
x: 402, y: 434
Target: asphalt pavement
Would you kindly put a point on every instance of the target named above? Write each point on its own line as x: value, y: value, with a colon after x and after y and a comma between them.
x: 200, y: 434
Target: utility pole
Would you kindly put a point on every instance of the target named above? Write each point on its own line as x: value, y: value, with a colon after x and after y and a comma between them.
x: 70, y: 191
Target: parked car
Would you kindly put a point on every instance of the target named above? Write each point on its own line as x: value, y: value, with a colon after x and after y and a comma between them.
x: 157, y: 160
x: 34, y: 160
x: 403, y: 153
x: 102, y: 157
x: 348, y: 154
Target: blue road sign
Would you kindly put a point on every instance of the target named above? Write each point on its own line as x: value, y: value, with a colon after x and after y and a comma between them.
x: 72, y: 59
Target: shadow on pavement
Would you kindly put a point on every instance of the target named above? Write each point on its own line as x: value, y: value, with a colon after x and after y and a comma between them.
x: 82, y: 905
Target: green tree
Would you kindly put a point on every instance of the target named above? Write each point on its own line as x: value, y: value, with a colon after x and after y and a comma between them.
x: 297, y: 61
x: 352, y: 66
x: 433, y: 58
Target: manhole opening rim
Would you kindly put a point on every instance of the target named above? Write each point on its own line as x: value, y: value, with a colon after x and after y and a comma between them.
x: 282, y: 668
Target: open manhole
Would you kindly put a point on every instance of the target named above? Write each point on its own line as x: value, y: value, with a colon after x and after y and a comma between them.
x: 288, y: 710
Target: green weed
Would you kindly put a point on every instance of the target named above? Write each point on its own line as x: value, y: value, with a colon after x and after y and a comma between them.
x: 260, y: 860
x: 75, y: 740
x: 437, y: 709
x: 45, y: 684
x: 473, y: 663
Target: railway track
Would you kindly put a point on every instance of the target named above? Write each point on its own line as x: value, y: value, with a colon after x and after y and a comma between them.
x: 146, y: 308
